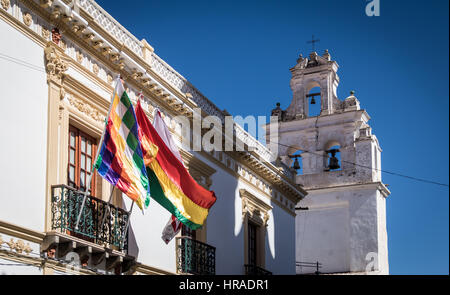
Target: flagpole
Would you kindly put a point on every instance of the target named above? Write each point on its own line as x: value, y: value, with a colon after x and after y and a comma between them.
x: 128, y: 223
x: 89, y: 182
x: 108, y: 206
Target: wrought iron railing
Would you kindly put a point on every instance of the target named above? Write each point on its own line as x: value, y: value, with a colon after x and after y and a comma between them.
x: 93, y: 227
x: 251, y: 269
x: 311, y: 265
x: 194, y: 257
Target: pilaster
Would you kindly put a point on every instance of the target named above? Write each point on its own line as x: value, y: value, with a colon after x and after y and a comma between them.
x: 55, y: 67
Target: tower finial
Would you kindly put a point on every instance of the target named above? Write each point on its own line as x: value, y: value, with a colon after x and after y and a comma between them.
x: 313, y: 42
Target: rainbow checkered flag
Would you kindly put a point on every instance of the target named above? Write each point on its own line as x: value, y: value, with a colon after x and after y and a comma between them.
x: 120, y: 160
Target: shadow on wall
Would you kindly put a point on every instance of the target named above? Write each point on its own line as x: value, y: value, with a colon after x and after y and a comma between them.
x: 224, y: 225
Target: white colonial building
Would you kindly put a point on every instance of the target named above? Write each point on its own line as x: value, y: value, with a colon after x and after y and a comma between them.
x: 58, y: 60
x: 341, y: 223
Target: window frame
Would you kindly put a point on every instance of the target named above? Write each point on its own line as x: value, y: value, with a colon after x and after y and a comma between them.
x: 78, y: 153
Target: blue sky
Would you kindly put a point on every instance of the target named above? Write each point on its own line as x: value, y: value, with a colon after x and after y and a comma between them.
x: 238, y: 54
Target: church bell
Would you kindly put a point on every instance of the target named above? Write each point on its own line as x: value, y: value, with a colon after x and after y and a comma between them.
x: 334, y: 162
x: 296, y: 164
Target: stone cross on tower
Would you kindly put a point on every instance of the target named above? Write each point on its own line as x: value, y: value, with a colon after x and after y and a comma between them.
x: 313, y: 42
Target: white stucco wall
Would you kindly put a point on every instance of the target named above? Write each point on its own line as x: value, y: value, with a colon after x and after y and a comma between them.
x: 147, y: 229
x: 23, y: 121
x: 343, y: 230
x: 225, y: 229
x: 280, y: 242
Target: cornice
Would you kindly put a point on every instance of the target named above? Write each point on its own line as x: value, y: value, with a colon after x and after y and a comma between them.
x: 21, y: 232
x: 372, y: 185
x: 149, y: 270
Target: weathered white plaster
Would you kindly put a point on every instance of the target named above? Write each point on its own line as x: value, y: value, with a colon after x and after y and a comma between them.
x: 23, y: 117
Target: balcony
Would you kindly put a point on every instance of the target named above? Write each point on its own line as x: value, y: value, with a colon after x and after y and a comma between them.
x: 100, y: 242
x: 194, y: 257
x: 256, y: 270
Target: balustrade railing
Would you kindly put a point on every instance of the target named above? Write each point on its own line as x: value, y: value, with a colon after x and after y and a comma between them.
x: 195, y: 257
x: 66, y: 207
x: 251, y: 269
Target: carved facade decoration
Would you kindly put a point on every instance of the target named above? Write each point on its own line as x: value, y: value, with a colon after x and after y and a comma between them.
x: 109, y: 78
x: 86, y: 109
x: 5, y: 4
x: 95, y: 68
x: 254, y: 208
x: 45, y: 33
x: 27, y: 18
x: 79, y: 56
x: 63, y: 45
x: 18, y: 246
x: 55, y: 65
x: 45, y: 3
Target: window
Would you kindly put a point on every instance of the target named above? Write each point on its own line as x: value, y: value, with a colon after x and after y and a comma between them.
x: 82, y: 150
x: 252, y: 244
x: 255, y: 217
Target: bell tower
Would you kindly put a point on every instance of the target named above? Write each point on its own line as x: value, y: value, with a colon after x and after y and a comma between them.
x: 341, y: 223
x: 315, y: 71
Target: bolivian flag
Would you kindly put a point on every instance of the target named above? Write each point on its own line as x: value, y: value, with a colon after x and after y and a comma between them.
x: 171, y: 185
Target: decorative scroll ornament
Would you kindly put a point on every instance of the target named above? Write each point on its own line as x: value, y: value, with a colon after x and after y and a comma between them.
x: 5, y: 4
x: 27, y: 18
x: 55, y: 65
x: 86, y: 109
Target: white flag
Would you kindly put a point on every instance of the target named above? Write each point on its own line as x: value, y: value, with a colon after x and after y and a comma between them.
x: 174, y: 225
x: 165, y: 135
x: 171, y: 229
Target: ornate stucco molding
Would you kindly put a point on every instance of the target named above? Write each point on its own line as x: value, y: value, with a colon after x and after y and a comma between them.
x: 5, y: 4
x: 27, y: 18
x: 54, y: 63
x: 86, y: 109
x: 19, y: 245
x: 254, y: 208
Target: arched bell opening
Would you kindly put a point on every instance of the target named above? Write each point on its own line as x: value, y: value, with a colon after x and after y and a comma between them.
x: 295, y: 161
x: 314, y: 102
x: 332, y: 157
